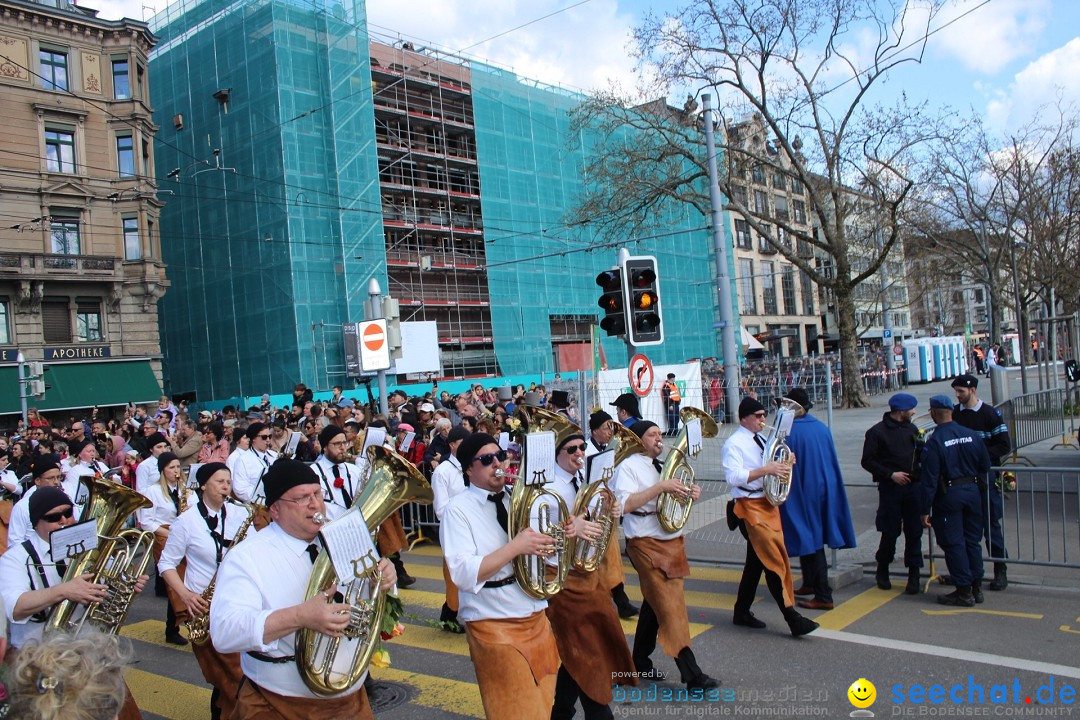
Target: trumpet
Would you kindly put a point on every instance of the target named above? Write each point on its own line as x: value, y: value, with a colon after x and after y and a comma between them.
x: 199, y: 625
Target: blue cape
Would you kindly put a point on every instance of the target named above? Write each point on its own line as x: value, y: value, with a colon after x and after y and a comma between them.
x: 816, y: 512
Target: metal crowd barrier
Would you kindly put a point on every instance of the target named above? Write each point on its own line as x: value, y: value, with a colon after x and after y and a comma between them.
x: 1033, y: 418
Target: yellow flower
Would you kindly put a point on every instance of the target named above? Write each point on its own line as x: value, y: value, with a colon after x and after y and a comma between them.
x: 380, y: 659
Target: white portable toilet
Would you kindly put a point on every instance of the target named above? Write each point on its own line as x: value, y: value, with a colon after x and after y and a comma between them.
x: 916, y: 360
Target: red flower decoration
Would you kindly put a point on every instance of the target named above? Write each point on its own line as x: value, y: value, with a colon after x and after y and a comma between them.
x: 339, y: 483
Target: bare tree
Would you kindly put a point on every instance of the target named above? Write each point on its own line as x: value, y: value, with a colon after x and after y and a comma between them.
x: 789, y: 65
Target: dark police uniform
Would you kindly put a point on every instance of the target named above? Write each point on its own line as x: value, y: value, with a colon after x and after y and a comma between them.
x: 891, y: 446
x: 986, y: 421
x: 953, y: 464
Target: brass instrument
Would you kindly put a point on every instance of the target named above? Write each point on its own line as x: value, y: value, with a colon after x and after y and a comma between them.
x: 777, y: 487
x: 182, y: 493
x: 394, y: 482
x: 199, y: 625
x: 118, y: 561
x: 624, y: 443
x: 530, y: 506
x: 673, y: 511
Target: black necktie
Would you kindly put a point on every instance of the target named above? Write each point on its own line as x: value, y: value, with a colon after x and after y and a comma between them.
x: 313, y: 552
x: 575, y: 482
x: 658, y: 465
x: 344, y: 491
x: 500, y: 511
x: 759, y: 441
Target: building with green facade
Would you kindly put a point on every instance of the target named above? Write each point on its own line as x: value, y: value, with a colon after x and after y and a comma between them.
x: 306, y: 158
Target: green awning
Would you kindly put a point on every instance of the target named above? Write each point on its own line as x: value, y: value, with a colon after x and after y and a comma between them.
x: 84, y: 385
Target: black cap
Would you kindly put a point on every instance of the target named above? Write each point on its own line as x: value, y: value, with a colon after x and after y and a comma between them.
x: 457, y: 432
x: 965, y: 381
x: 642, y: 426
x: 205, y: 472
x: 164, y: 459
x: 45, y: 499
x: 286, y: 474
x: 559, y: 399
x: 597, y: 419
x: 568, y: 438
x: 671, y: 376
x: 799, y: 395
x: 44, y: 463
x: 155, y: 439
x: 469, y: 447
x: 629, y: 403
x: 328, y: 434
x: 749, y: 406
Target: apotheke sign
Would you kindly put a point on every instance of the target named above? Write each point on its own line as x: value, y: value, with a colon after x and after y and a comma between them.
x: 81, y: 352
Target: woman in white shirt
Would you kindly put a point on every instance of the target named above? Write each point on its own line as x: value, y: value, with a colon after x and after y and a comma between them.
x: 169, y: 498
x: 201, y: 537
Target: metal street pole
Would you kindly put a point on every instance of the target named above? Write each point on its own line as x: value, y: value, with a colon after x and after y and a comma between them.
x: 21, y: 360
x: 374, y: 312
x: 887, y: 339
x: 723, y: 281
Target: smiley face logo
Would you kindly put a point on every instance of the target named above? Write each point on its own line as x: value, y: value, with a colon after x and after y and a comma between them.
x: 862, y: 693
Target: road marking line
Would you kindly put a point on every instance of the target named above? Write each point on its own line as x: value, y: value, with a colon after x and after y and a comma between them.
x: 152, y: 632
x: 967, y: 611
x: 455, y: 696
x: 172, y: 699
x: 1035, y: 666
x: 856, y: 608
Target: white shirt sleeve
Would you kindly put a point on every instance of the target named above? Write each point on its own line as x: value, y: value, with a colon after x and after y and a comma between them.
x: 735, y: 470
x: 237, y: 617
x: 459, y: 549
x: 175, y: 547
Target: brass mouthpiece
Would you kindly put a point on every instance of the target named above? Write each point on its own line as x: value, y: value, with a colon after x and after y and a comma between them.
x: 319, y: 519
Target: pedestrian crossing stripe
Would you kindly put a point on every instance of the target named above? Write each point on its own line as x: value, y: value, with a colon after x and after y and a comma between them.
x: 161, y: 695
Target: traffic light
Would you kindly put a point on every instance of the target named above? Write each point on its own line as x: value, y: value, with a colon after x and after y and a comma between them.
x: 35, y: 380
x: 644, y: 321
x: 391, y: 310
x: 612, y: 302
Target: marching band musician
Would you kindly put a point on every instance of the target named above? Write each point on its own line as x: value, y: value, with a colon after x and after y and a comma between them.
x: 252, y: 464
x: 660, y: 560
x: 587, y: 630
x: 158, y: 518
x: 259, y: 605
x: 510, y: 641
x: 200, y: 537
x: 447, y: 482
x: 45, y: 470
x: 340, y: 480
x: 759, y: 522
x: 147, y: 472
x: 86, y: 463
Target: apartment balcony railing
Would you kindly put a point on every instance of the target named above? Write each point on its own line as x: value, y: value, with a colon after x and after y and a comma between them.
x: 47, y: 265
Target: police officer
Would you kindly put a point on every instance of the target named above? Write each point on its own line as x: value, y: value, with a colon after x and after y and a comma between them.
x: 986, y: 421
x: 954, y: 463
x: 889, y: 454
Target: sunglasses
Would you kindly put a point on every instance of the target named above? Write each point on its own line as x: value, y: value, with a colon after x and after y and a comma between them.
x: 571, y: 449
x: 58, y: 516
x: 263, y: 437
x: 487, y: 458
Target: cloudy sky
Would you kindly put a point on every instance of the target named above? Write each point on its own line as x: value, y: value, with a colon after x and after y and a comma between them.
x: 1004, y: 60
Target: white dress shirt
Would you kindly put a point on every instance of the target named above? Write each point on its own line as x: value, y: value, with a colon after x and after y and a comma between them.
x: 19, y: 527
x: 146, y: 474
x: 740, y: 455
x: 247, y: 474
x: 17, y: 576
x: 472, y: 533
x: 634, y: 474
x: 267, y: 572
x: 10, y: 478
x: 163, y: 511
x: 189, y: 537
x: 336, y: 497
x: 447, y: 482
x: 230, y: 462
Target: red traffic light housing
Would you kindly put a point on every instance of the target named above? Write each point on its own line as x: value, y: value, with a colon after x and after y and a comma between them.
x: 644, y: 321
x: 612, y: 301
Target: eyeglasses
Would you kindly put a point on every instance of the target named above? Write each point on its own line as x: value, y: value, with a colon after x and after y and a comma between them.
x: 487, y: 458
x: 571, y: 449
x: 306, y: 499
x: 760, y: 415
x: 58, y: 516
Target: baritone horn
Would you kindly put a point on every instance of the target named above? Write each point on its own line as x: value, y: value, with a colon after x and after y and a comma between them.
x: 118, y: 561
x: 330, y: 666
x: 672, y: 510
x: 777, y: 487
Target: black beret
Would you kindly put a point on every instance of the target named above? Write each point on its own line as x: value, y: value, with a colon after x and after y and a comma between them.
x: 44, y: 463
x: 597, y: 419
x: 568, y: 438
x: 205, y: 472
x: 286, y: 474
x: 799, y: 395
x: 749, y: 406
x: 328, y: 434
x: 965, y: 381
x: 164, y: 459
x: 254, y: 429
x: 155, y: 439
x: 45, y: 499
x: 75, y: 448
x: 642, y: 426
x: 238, y: 433
x: 470, y: 446
x: 457, y: 432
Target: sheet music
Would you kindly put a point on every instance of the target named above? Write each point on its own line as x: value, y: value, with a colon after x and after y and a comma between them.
x: 693, y: 436
x: 784, y: 420
x: 67, y: 543
x: 539, y: 458
x: 373, y: 437
x: 601, y: 466
x: 349, y: 543
x: 294, y: 442
x: 406, y: 442
x: 504, y: 440
x: 192, y: 483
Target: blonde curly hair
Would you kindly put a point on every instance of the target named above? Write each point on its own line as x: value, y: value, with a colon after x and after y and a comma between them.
x: 74, y: 678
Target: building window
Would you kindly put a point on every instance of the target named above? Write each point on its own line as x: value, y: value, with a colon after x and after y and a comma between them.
x: 761, y: 204
x: 807, y: 292
x: 125, y: 155
x: 54, y: 69
x: 747, y: 288
x: 65, y: 236
x: 132, y: 247
x: 780, y: 203
x: 88, y: 320
x: 787, y: 283
x: 768, y: 287
x: 121, y: 78
x: 738, y: 194
x: 799, y: 208
x: 59, y: 150
x: 899, y: 319
x: 5, y: 331
x: 150, y: 238
x: 140, y: 73
x: 759, y: 174
x: 779, y: 180
x: 742, y: 235
x: 56, y: 320
x: 763, y: 242
x: 796, y: 187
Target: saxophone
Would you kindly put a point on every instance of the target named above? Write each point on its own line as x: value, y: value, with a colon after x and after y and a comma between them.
x: 199, y: 625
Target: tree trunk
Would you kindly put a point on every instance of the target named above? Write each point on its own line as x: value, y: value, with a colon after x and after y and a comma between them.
x: 851, y: 378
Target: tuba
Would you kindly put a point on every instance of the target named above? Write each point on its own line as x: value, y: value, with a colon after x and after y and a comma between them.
x: 118, y: 561
x: 672, y: 511
x: 199, y: 626
x: 777, y: 487
x: 531, y: 506
x: 394, y: 482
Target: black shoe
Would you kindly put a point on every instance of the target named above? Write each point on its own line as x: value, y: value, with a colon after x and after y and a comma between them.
x: 1001, y: 578
x: 976, y: 592
x: 404, y: 579
x: 913, y: 584
x: 945, y: 580
x: 703, y: 682
x: 800, y: 625
x: 961, y: 597
x: 175, y: 638
x: 747, y: 620
x: 882, y: 576
x: 653, y: 673
x: 626, y: 610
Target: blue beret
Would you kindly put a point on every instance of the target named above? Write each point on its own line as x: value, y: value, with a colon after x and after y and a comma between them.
x: 941, y: 402
x: 903, y: 401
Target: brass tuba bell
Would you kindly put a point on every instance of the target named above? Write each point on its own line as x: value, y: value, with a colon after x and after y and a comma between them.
x: 777, y: 487
x: 673, y: 511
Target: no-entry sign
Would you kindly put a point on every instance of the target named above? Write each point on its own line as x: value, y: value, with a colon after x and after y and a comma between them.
x: 641, y: 375
x: 374, y: 350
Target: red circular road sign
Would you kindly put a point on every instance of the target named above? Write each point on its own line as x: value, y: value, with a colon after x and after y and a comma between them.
x: 374, y: 337
x: 641, y: 375
x: 898, y: 350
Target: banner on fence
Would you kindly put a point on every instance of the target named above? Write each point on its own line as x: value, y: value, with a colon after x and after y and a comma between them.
x: 688, y: 377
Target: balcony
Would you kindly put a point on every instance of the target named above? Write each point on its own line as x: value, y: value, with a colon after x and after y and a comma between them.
x: 42, y: 265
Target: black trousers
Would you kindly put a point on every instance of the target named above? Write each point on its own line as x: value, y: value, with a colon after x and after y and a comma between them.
x: 898, y: 511
x: 648, y: 625
x: 815, y: 573
x: 567, y: 693
x: 751, y: 576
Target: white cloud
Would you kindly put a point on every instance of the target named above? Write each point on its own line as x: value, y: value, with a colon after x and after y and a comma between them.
x: 992, y: 36
x: 1039, y: 84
